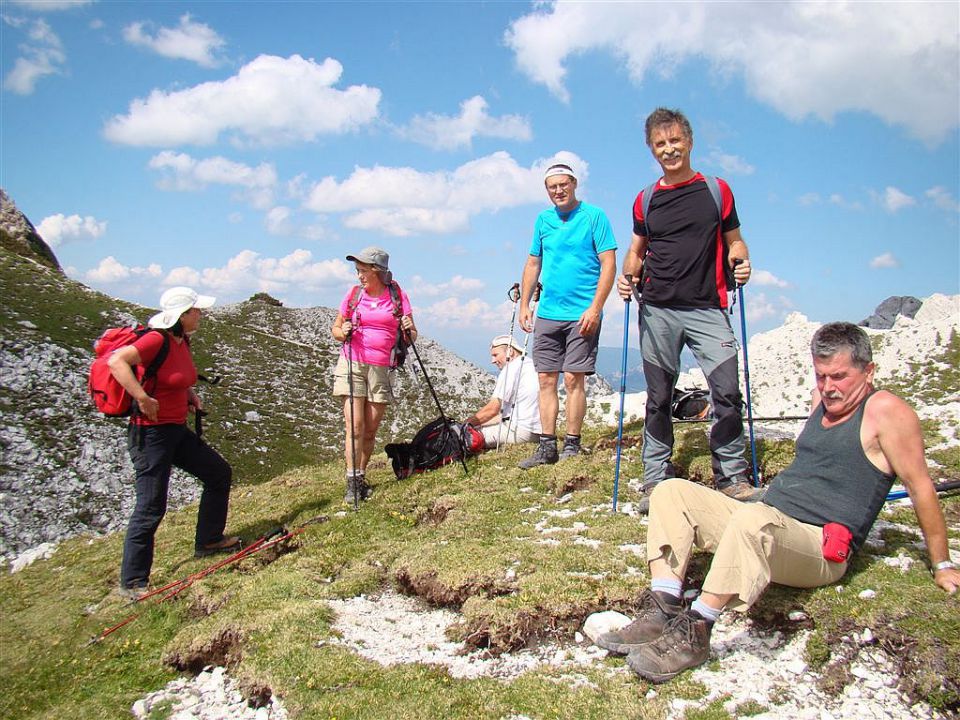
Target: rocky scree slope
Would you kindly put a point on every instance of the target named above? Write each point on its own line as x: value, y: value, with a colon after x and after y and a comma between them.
x: 64, y: 469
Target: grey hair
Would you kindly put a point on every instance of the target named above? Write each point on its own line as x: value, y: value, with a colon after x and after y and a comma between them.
x: 842, y: 336
x: 664, y: 116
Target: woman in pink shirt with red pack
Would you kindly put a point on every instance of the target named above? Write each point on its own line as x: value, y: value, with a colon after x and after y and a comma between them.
x: 375, y: 323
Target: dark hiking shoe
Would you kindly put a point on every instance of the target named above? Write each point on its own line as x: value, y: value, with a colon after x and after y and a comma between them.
x: 226, y: 545
x: 684, y: 644
x: 740, y: 489
x: 570, y: 449
x: 656, y: 610
x: 545, y: 454
x: 357, y: 487
x: 643, y: 504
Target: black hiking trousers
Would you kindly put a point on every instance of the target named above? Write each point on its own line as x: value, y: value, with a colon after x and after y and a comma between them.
x: 155, y: 450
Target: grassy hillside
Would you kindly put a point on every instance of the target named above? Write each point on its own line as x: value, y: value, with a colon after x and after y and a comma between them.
x: 476, y: 543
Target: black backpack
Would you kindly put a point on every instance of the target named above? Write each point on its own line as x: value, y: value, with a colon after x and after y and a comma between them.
x: 691, y: 404
x: 435, y: 445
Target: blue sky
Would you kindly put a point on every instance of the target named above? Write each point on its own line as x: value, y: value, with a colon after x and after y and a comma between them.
x: 241, y: 147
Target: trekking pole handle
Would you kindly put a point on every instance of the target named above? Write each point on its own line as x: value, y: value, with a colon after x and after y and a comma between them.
x: 633, y: 287
x: 738, y: 261
x: 513, y: 294
x: 536, y: 292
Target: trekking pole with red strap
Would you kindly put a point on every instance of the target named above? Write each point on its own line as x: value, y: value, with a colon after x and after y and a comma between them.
x: 174, y: 588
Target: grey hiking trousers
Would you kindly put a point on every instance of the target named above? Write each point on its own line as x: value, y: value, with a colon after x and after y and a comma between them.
x: 707, y: 332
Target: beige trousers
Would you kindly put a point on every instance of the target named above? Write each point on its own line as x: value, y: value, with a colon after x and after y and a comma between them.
x: 753, y: 544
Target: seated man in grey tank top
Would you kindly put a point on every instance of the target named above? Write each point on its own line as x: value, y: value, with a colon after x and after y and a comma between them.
x: 814, y: 516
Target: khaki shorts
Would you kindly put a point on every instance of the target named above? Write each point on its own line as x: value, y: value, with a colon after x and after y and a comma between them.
x: 369, y: 381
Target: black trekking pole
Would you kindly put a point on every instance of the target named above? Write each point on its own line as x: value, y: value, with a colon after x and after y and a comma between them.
x: 623, y: 393
x: 746, y: 380
x: 443, y: 415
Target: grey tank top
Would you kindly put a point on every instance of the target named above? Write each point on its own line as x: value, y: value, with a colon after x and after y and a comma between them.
x: 831, y: 479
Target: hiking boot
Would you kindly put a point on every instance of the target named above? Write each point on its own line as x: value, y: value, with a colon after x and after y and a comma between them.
x: 545, y: 454
x: 656, y: 610
x: 359, y: 486
x: 740, y: 489
x: 570, y: 449
x: 643, y: 504
x: 684, y: 644
x: 226, y: 545
x: 132, y: 593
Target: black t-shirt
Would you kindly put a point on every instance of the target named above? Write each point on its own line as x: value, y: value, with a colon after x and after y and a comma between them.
x: 686, y: 264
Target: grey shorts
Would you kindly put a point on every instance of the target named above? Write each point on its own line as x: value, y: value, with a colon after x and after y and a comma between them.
x: 369, y: 381
x: 558, y: 346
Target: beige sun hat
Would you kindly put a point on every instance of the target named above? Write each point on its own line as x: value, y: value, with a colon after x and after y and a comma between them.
x: 506, y: 340
x: 174, y: 303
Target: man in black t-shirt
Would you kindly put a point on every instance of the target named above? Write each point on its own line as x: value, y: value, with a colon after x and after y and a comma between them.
x: 686, y: 254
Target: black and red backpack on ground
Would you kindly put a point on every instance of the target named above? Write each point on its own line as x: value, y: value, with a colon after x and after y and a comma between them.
x: 440, y: 442
x: 107, y: 394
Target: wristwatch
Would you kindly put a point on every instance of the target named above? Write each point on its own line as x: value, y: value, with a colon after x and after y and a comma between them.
x: 944, y: 565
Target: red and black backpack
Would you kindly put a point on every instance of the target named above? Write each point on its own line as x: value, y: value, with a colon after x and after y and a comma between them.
x: 107, y: 394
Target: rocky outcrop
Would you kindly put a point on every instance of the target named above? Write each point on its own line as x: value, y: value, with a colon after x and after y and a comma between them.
x: 886, y: 313
x: 18, y: 235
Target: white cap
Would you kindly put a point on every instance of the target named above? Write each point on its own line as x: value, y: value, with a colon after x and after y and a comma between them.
x: 174, y: 303
x: 506, y: 340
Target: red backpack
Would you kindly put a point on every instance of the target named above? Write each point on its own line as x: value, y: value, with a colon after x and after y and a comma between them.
x: 107, y: 394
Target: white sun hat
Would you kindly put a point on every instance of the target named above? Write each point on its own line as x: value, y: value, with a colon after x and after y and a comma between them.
x: 174, y: 303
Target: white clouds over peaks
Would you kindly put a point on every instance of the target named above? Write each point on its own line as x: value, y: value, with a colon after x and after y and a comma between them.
x: 765, y: 277
x: 248, y: 272
x: 111, y: 271
x: 271, y: 100
x: 42, y: 55
x: 58, y: 229
x: 448, y: 133
x: 898, y: 61
x: 189, y: 41
x: 402, y: 200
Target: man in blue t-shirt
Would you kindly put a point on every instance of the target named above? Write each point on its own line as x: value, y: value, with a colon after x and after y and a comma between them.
x: 575, y: 253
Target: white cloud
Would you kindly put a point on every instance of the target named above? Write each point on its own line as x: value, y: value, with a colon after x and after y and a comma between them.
x: 457, y: 284
x: 448, y: 133
x: 50, y: 5
x: 402, y: 200
x: 191, y: 40
x: 42, y: 56
x: 111, y: 271
x: 182, y: 276
x: 183, y: 172
x: 887, y: 260
x: 760, y: 307
x: 893, y: 58
x: 277, y: 221
x: 730, y: 164
x: 810, y: 198
x: 942, y: 198
x: 248, y: 272
x: 58, y: 229
x: 840, y: 201
x: 457, y: 312
x: 765, y: 277
x: 271, y: 100
x: 894, y: 199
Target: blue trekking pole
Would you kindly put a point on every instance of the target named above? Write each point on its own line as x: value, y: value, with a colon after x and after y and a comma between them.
x: 746, y: 380
x: 623, y: 392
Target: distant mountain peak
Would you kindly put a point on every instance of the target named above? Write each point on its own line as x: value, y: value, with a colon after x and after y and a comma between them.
x: 18, y: 235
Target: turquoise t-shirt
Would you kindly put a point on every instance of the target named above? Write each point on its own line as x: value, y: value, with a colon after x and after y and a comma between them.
x: 568, y: 246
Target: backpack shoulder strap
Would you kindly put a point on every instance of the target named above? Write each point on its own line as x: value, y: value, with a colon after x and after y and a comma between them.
x: 395, y: 297
x: 714, y: 187
x: 353, y: 301
x: 645, y: 203
x: 151, y: 370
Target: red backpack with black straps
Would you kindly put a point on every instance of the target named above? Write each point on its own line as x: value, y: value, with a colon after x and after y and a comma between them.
x: 108, y: 395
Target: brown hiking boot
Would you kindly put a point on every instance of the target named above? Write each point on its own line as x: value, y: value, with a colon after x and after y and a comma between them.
x: 656, y: 610
x: 741, y: 490
x: 684, y: 644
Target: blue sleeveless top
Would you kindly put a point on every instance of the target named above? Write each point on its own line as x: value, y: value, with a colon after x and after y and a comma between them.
x: 831, y: 479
